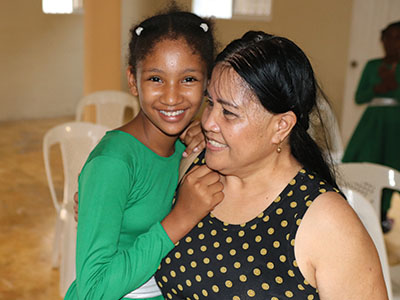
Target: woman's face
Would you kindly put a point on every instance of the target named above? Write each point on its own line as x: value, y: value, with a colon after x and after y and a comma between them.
x: 391, y: 42
x: 238, y: 129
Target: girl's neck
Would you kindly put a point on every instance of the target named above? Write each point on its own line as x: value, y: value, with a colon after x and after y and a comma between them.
x: 149, y: 135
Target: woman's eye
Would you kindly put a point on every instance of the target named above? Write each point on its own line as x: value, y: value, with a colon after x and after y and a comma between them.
x: 209, y: 102
x: 228, y: 114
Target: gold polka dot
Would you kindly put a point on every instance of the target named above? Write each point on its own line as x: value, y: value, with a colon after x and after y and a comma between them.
x: 206, y: 260
x: 193, y: 264
x: 293, y: 204
x: 172, y: 273
x: 210, y: 274
x: 265, y: 286
x: 198, y: 278
x: 295, y: 263
x: 228, y: 283
x: 257, y: 272
x: 311, y: 176
x: 196, y: 160
x: 203, y: 248
x: 291, y: 273
x: 204, y: 292
x: 178, y: 255
x: 251, y: 293
x: 276, y: 244
x: 226, y: 224
x: 188, y: 282
x: 215, y: 288
x: 293, y: 182
x: 250, y: 258
x: 288, y: 236
x: 160, y: 284
x: 167, y: 260
x: 300, y: 287
x: 298, y: 222
x: 232, y: 252
x: 213, y: 232
x: 220, y: 256
x: 308, y: 203
x: 228, y: 239
x: 322, y: 190
x: 306, y: 282
x: 306, y: 197
x: 201, y: 236
x: 253, y: 227
x: 289, y: 294
x: 216, y: 245
x: 279, y: 211
x: 282, y: 258
x: 188, y: 239
x: 200, y: 225
x: 237, y: 265
x: 258, y: 238
x: 292, y: 242
x: 236, y: 298
x: 290, y: 193
x: 263, y: 251
x: 271, y: 231
x: 241, y: 233
x: 321, y: 182
x: 195, y: 296
x: 177, y: 243
x: 223, y: 270
x: 260, y: 215
x: 164, y: 278
x: 302, y: 171
x: 310, y: 297
x: 303, y: 187
x: 169, y: 296
x: 243, y: 225
x: 245, y: 246
x: 243, y: 278
x: 174, y: 291
x: 284, y: 223
x: 277, y: 199
x: 266, y: 219
x: 278, y: 279
x: 190, y: 251
x: 270, y: 265
x: 180, y: 287
x: 203, y: 161
x: 183, y: 269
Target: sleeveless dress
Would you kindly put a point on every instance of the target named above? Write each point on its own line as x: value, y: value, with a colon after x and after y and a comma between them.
x: 253, y: 260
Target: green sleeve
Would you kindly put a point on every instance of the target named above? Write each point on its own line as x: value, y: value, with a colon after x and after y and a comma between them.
x: 365, y: 90
x: 103, y: 270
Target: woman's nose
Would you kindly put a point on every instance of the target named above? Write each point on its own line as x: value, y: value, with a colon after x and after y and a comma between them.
x: 209, y: 120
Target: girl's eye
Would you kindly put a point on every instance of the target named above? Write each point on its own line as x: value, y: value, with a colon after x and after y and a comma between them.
x: 155, y: 79
x: 189, y: 79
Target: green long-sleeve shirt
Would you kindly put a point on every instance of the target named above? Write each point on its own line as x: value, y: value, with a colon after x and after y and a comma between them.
x: 369, y: 78
x: 125, y: 190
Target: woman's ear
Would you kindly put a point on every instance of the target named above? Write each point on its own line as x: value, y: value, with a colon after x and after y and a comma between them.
x: 132, y: 84
x: 284, y: 125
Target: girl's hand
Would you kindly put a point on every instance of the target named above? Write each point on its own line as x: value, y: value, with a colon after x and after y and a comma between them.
x: 193, y: 138
x: 200, y: 191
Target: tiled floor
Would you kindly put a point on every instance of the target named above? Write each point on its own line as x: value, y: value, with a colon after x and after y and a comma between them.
x: 27, y: 215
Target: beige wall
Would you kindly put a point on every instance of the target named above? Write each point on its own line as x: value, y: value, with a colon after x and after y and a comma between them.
x: 41, y: 59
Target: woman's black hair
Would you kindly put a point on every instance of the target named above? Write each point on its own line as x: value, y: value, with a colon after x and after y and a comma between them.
x: 280, y: 75
x: 390, y: 26
x: 173, y: 24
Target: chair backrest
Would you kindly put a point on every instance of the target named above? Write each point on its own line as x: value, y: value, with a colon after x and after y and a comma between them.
x: 110, y: 107
x: 76, y: 140
x: 331, y: 130
x: 368, y: 179
x: 371, y: 222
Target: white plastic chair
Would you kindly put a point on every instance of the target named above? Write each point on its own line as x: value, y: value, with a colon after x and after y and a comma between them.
x: 368, y: 179
x: 371, y: 222
x: 110, y: 107
x: 331, y: 127
x: 76, y: 140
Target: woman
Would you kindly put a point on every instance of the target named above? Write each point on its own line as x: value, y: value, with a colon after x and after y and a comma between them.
x: 283, y: 231
x: 376, y: 138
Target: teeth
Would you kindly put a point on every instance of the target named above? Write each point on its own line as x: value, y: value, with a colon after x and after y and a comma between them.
x: 216, y: 144
x: 172, y: 113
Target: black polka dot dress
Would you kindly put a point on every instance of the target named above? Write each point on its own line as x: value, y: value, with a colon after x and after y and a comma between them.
x: 254, y: 260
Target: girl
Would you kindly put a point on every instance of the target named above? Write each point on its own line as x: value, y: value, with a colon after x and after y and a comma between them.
x: 127, y: 184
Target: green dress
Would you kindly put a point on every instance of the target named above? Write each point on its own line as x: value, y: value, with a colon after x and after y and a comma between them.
x: 125, y: 190
x: 377, y: 136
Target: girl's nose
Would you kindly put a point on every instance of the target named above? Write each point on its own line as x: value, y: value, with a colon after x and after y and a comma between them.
x: 171, y: 95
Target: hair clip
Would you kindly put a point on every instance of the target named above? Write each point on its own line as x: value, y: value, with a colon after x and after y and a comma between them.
x: 204, y: 26
x: 139, y: 30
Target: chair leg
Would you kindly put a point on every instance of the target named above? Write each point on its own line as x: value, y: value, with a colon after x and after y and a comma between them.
x: 55, y: 260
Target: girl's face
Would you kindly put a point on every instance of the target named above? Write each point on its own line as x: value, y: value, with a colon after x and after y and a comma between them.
x: 239, y: 131
x: 170, y: 83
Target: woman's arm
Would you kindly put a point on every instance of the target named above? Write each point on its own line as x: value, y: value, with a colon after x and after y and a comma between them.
x: 365, y: 89
x: 336, y: 254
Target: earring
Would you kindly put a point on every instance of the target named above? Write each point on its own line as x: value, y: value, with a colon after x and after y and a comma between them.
x: 279, y: 149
